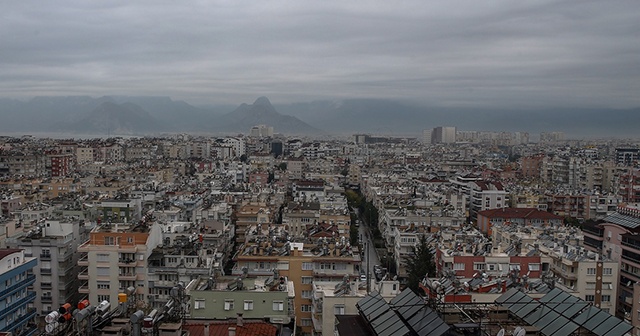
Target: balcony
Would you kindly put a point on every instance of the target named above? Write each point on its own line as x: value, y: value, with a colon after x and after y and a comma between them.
x: 45, y: 285
x: 19, y: 286
x: 635, y: 275
x: 317, y: 323
x: 46, y: 299
x: 84, y: 261
x: 28, y: 316
x: 45, y: 256
x: 18, y: 305
x: 84, y: 275
x: 126, y: 276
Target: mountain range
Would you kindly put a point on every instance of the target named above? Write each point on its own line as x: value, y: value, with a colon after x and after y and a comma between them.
x: 124, y: 115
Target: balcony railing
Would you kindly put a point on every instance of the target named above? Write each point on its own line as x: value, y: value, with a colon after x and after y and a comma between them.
x: 31, y: 313
x: 18, y: 304
x: 45, y: 271
x: 84, y: 261
x: 28, y: 281
x: 127, y: 276
x: 45, y: 256
x: 84, y: 275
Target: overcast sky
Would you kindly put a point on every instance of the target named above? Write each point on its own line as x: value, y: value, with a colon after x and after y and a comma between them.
x: 453, y: 53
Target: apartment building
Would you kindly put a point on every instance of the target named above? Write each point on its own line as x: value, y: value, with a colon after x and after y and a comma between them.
x: 516, y: 216
x: 331, y: 299
x: 262, y: 298
x: 23, y: 163
x: 16, y: 296
x: 617, y: 237
x: 54, y: 243
x: 115, y: 258
x: 302, y: 263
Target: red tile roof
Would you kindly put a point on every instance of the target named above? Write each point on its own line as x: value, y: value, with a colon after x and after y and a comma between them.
x: 526, y: 213
x: 6, y: 252
x: 218, y: 328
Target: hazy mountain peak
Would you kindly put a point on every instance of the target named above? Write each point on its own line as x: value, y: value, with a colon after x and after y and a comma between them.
x: 262, y: 101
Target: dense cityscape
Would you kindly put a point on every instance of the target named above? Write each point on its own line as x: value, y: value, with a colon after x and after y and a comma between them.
x: 451, y: 233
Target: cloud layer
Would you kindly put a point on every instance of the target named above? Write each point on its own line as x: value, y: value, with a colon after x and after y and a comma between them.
x: 454, y: 53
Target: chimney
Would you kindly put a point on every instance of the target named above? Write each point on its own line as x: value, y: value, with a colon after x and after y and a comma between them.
x: 232, y: 331
x: 240, y: 322
x: 206, y: 329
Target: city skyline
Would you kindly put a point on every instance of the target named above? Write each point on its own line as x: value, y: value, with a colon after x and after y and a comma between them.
x: 463, y: 54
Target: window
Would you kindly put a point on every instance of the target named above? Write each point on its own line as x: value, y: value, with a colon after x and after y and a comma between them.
x: 607, y: 271
x: 478, y: 266
x: 248, y: 304
x: 101, y: 257
x: 590, y: 298
x: 228, y: 304
x: 458, y: 266
x: 607, y: 285
x: 591, y: 271
x: 305, y: 308
x: 338, y: 309
x: 103, y: 285
x: 305, y: 322
x: 278, y: 305
x: 103, y: 298
x: 108, y: 241
x: 591, y: 285
x: 307, y: 266
x: 102, y: 271
x: 306, y: 280
x: 534, y: 267
x: 492, y: 267
x: 606, y: 298
x: 283, y: 265
x: 306, y: 294
x: 340, y: 266
x: 198, y: 304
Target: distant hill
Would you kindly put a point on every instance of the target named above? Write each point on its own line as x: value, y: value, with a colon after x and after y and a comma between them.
x: 120, y: 119
x: 261, y: 112
x: 153, y: 115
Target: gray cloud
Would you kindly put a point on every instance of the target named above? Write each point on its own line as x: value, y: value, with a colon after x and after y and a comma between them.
x: 488, y: 53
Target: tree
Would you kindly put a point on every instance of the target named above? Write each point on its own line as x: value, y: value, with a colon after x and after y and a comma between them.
x: 419, y: 263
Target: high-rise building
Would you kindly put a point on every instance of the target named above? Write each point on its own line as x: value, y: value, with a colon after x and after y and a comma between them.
x: 444, y: 135
x: 115, y: 258
x: 627, y: 156
x: 16, y: 317
x: 55, y: 244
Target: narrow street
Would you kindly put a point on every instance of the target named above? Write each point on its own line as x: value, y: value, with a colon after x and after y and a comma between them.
x: 370, y: 258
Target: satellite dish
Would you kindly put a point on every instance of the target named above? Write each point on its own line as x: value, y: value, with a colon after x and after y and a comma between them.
x: 516, y: 330
x: 522, y: 332
x: 500, y: 333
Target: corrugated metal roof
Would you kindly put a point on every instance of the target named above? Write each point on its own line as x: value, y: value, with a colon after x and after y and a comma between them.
x: 623, y: 220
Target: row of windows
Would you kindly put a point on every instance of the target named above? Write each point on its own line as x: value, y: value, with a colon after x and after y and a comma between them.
x: 605, y: 271
x: 495, y: 267
x: 230, y: 305
x: 591, y: 298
